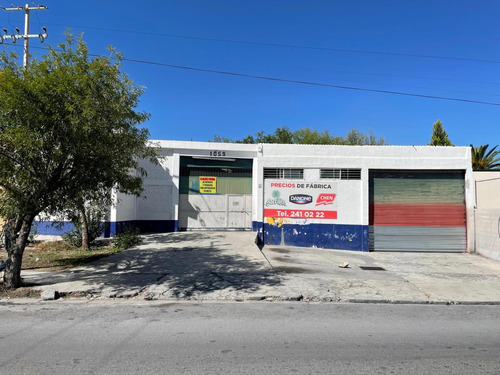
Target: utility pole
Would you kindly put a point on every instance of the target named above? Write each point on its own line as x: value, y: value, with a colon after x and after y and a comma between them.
x: 26, y: 36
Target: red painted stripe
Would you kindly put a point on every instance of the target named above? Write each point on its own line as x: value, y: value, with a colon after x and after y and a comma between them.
x: 434, y: 215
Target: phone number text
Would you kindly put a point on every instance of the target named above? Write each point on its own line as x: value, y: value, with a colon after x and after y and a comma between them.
x: 301, y: 214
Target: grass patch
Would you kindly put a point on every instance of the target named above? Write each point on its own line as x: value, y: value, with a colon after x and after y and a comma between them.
x: 60, y: 255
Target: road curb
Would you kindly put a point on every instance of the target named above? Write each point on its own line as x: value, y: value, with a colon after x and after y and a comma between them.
x: 417, y: 302
x: 258, y: 298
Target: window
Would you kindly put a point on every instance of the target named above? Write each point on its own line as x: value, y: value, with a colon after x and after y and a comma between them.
x: 283, y: 173
x: 341, y: 174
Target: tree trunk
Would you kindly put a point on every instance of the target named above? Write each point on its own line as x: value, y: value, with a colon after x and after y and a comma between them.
x: 16, y: 239
x: 84, y: 229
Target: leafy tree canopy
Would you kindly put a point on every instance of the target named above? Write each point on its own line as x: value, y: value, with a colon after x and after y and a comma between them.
x: 306, y: 136
x: 484, y: 159
x: 439, y: 136
x: 68, y: 131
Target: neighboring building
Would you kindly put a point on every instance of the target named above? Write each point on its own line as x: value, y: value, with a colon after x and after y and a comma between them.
x: 382, y: 198
x: 487, y: 185
x: 487, y: 213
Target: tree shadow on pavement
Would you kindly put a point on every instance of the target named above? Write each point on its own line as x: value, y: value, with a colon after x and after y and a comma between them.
x: 182, y: 264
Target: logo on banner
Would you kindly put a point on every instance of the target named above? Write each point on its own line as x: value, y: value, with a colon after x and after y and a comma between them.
x: 275, y: 200
x: 325, y: 199
x: 300, y: 199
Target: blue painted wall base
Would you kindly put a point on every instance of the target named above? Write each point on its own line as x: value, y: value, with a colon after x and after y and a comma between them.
x: 145, y: 226
x: 256, y: 226
x: 52, y: 228
x: 327, y: 236
x: 110, y: 228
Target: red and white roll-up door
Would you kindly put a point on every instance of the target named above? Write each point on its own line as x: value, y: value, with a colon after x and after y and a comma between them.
x: 417, y: 211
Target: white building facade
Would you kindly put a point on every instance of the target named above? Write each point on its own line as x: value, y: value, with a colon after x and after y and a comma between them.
x: 381, y: 198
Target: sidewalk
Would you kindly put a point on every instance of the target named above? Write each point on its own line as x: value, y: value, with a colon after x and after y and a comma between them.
x: 388, y: 277
x: 229, y: 266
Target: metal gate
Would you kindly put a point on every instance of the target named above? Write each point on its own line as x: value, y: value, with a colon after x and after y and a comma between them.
x: 417, y: 211
x: 215, y: 211
x: 215, y: 193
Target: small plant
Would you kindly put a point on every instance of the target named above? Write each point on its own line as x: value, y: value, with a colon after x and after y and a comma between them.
x: 73, y: 238
x: 130, y: 237
x: 94, y: 224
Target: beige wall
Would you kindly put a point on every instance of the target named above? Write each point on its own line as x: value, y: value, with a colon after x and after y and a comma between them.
x: 488, y: 233
x: 487, y: 214
x: 487, y: 186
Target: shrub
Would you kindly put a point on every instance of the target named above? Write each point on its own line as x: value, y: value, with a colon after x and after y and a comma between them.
x: 130, y: 237
x: 94, y: 224
x: 74, y: 238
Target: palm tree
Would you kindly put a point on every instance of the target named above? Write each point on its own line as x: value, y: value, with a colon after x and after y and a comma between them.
x: 482, y: 159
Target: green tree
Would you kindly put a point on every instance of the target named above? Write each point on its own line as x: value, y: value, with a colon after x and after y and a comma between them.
x: 439, y: 136
x: 357, y: 138
x: 484, y: 159
x: 68, y: 133
x: 305, y: 136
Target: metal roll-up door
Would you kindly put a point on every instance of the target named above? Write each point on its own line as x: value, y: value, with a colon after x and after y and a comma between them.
x: 417, y: 211
x: 225, y: 202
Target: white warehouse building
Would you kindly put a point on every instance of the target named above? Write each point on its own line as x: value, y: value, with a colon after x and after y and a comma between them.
x: 381, y: 198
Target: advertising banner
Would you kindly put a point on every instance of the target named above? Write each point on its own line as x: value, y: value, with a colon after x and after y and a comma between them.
x: 208, y: 185
x: 301, y: 201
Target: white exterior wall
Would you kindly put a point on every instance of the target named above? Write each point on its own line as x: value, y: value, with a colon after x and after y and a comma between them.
x: 315, y: 157
x: 123, y: 208
x: 162, y: 183
x: 156, y: 202
x: 161, y: 186
x: 374, y: 157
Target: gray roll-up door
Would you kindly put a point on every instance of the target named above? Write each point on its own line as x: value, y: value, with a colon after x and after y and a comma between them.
x: 417, y: 211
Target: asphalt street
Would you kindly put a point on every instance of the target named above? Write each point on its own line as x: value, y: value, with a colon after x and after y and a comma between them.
x: 158, y: 337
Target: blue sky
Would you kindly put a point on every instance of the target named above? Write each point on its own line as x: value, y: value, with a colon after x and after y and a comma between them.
x: 424, y: 48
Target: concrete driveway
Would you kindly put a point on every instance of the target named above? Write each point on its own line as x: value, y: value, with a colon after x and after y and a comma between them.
x: 192, y: 265
x: 229, y: 266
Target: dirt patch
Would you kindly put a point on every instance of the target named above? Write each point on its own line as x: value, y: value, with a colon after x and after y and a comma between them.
x: 56, y: 255
x: 23, y: 292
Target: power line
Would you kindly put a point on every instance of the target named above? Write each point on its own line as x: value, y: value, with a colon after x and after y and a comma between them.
x: 266, y: 78
x: 408, y: 85
x: 285, y: 45
x: 422, y: 77
x: 309, y: 83
x: 312, y: 48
